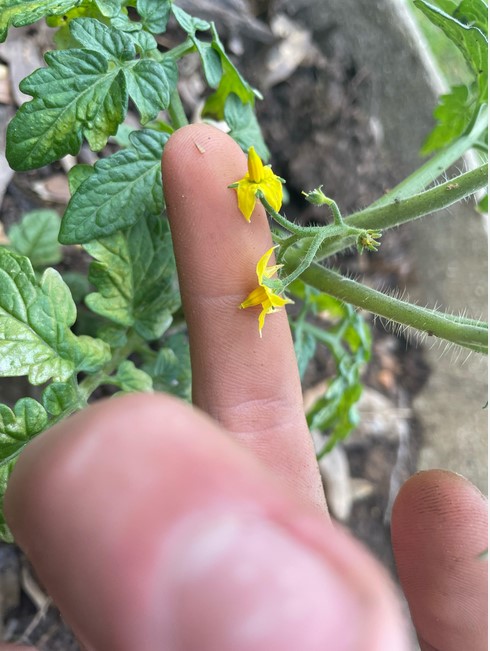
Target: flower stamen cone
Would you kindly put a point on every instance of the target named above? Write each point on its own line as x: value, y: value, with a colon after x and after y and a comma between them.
x: 259, y: 179
x: 264, y: 295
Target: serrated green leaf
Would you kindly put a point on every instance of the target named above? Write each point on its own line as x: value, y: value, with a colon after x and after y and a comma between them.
x: 129, y: 378
x: 77, y: 95
x: 36, y: 236
x: 244, y: 127
x: 60, y: 397
x: 231, y: 82
x: 93, y: 35
x: 154, y: 15
x: 84, y: 93
x: 35, y: 320
x: 189, y: 23
x: 124, y: 187
x: 134, y: 273
x: 149, y: 88
x: 467, y: 36
x: 17, y: 427
x: 454, y: 113
x: 18, y: 13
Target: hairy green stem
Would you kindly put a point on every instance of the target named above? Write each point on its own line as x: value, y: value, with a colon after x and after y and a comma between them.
x: 464, y: 332
x: 438, y: 164
x: 400, y: 212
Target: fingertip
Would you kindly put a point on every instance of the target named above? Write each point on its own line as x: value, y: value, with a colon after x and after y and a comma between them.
x: 439, y: 531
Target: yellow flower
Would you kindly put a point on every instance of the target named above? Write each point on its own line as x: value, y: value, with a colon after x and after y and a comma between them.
x: 261, y: 178
x: 263, y: 295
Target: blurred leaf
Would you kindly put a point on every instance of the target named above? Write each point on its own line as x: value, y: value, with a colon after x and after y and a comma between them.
x: 188, y: 23
x: 231, y: 81
x: 129, y: 378
x: 36, y: 236
x: 60, y: 397
x: 453, y: 115
x: 170, y: 368
x: 466, y: 25
x: 154, y: 15
x: 18, y: 13
x: 123, y: 188
x: 348, y: 339
x: 17, y: 428
x: 244, y: 127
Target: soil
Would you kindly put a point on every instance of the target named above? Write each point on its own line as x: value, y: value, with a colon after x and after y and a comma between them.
x: 318, y: 134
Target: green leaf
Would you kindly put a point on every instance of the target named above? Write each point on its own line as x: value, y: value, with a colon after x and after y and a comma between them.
x: 36, y: 236
x: 466, y: 26
x: 77, y: 95
x: 134, y: 273
x: 188, y: 23
x: 211, y: 62
x: 35, y: 320
x: 453, y: 114
x: 18, y: 13
x: 170, y: 368
x: 231, y: 82
x: 244, y: 127
x: 304, y: 347
x: 93, y: 35
x: 60, y: 397
x: 123, y: 188
x: 154, y: 15
x: 84, y: 93
x: 78, y: 284
x: 17, y: 428
x: 348, y: 340
x: 129, y: 378
x: 110, y: 8
x: 149, y: 88
x: 77, y: 175
x: 5, y: 472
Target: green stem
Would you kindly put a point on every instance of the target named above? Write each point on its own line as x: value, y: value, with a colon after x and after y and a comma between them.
x: 438, y: 164
x: 176, y: 111
x: 464, y: 332
x: 399, y: 212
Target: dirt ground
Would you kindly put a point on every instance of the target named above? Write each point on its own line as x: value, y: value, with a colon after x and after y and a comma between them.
x: 318, y: 133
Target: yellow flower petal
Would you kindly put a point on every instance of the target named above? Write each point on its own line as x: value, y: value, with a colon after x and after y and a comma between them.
x: 261, y: 267
x: 255, y: 166
x: 263, y: 295
x: 258, y: 178
x: 256, y: 297
x: 246, y: 199
x: 271, y: 187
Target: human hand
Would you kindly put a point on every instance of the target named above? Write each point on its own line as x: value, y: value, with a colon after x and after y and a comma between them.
x: 155, y: 527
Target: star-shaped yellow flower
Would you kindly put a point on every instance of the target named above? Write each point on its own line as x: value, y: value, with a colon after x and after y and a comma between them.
x: 261, y: 178
x: 263, y: 295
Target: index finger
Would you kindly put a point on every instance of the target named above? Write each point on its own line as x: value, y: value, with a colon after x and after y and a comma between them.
x: 247, y: 383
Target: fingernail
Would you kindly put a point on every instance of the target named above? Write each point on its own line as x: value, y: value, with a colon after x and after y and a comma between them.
x: 243, y: 583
